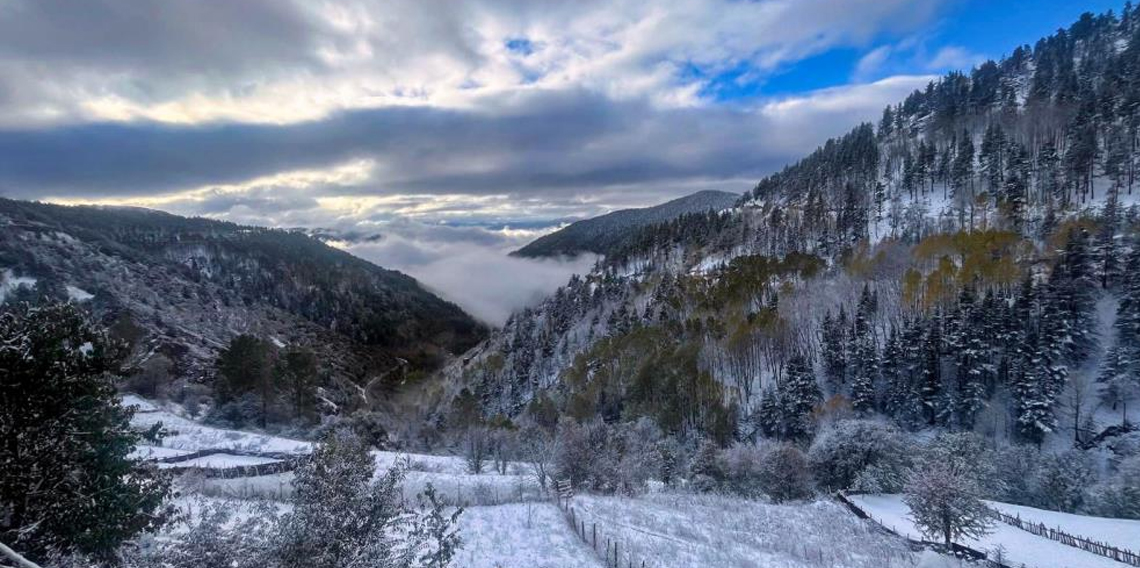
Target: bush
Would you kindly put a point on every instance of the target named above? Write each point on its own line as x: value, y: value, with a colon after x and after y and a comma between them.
x: 1062, y: 481
x: 742, y: 469
x: 860, y: 455
x: 784, y: 473
x: 1119, y: 495
x: 617, y: 458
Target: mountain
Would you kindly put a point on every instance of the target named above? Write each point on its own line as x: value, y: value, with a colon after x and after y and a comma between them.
x: 604, y: 233
x: 183, y: 287
x: 967, y: 263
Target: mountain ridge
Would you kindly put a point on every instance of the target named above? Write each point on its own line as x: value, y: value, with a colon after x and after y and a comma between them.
x: 602, y: 234
x: 190, y: 284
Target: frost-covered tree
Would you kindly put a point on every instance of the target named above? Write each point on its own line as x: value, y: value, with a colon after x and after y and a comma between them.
x: 67, y: 481
x: 945, y: 502
x: 341, y: 516
x: 800, y: 395
x: 849, y: 450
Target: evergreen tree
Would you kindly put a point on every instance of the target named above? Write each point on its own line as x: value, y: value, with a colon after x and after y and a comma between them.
x: 800, y: 394
x: 67, y: 482
x: 865, y: 356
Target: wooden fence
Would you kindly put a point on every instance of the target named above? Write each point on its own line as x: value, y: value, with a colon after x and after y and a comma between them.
x: 1095, y: 547
x: 610, y: 549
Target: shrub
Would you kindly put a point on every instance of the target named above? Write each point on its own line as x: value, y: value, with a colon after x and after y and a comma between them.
x: 784, y: 473
x: 850, y: 451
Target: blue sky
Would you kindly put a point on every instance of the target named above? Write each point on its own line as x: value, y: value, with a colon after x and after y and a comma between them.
x: 981, y: 29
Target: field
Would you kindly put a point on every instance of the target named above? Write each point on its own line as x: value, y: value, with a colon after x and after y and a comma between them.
x: 1018, y: 547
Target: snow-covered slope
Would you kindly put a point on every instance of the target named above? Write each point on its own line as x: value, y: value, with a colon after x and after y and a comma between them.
x: 1018, y: 547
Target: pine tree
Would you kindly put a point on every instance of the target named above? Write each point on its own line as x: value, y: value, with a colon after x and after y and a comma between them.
x: 865, y: 356
x: 769, y: 415
x: 67, y: 482
x: 800, y: 394
x: 833, y: 342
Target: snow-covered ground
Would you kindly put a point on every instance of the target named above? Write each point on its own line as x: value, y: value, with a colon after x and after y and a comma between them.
x: 1019, y: 547
x: 520, y: 535
x: 681, y: 530
x: 448, y: 474
x: 192, y: 436
x: 1121, y: 533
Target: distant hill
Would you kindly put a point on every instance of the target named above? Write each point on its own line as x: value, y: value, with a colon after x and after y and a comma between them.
x: 604, y: 233
x: 184, y: 287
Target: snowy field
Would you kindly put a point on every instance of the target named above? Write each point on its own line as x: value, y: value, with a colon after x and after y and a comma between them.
x: 521, y: 535
x: 1121, y: 533
x: 447, y: 473
x: 681, y: 530
x: 1019, y: 547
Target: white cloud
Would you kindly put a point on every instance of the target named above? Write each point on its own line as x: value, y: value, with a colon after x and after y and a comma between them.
x: 284, y: 61
x: 472, y: 271
x: 954, y: 58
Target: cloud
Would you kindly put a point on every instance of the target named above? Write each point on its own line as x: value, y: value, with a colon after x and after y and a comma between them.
x: 469, y: 266
x: 954, y: 57
x: 282, y: 61
x: 450, y: 128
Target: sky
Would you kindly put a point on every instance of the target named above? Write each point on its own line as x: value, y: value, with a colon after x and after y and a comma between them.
x: 433, y: 136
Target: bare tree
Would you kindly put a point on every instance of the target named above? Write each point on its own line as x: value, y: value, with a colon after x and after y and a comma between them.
x: 537, y: 447
x: 476, y: 448
x: 1077, y: 403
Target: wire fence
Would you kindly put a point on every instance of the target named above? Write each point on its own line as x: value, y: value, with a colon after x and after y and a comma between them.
x: 612, y: 550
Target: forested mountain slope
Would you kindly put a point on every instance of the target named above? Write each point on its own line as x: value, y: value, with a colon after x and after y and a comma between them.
x: 603, y: 234
x: 967, y: 263
x: 184, y: 287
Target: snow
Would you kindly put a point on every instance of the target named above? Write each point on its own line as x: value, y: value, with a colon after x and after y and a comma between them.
x: 1019, y: 547
x: 78, y: 294
x: 140, y: 404
x: 220, y: 460
x: 681, y: 530
x: 192, y: 436
x: 520, y: 535
x: 9, y: 283
x: 1121, y: 533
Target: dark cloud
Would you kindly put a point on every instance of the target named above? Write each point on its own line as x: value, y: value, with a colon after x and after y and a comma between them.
x: 545, y: 143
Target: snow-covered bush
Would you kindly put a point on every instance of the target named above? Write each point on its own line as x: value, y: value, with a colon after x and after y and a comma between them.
x: 742, y: 469
x: 1015, y: 467
x: 851, y: 454
x: 1062, y: 481
x: 706, y: 469
x: 784, y: 473
x: 1119, y: 495
x: 608, y: 458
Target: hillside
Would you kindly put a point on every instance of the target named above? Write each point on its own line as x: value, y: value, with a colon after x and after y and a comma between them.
x: 185, y: 287
x: 605, y: 233
x: 966, y: 263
